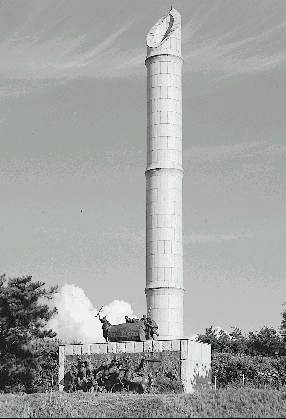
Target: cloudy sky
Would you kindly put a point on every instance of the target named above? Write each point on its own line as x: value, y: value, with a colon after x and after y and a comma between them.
x: 73, y: 153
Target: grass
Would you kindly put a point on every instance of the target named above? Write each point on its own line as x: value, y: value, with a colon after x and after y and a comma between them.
x: 236, y: 403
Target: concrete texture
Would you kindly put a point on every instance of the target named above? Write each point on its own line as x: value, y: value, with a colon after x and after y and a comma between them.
x: 195, y: 357
x: 164, y: 174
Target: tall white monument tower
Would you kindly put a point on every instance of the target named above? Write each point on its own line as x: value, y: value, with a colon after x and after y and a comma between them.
x: 164, y: 174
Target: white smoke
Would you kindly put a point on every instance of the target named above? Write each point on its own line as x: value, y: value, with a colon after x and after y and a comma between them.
x: 116, y: 311
x: 76, y: 321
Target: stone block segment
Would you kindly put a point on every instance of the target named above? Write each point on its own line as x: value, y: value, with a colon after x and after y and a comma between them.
x: 86, y: 349
x: 148, y: 346
x: 111, y: 347
x: 77, y: 349
x: 61, y: 373
x: 98, y: 348
x: 120, y: 347
x: 166, y: 345
x: 176, y: 345
x: 68, y: 350
x: 184, y: 348
x: 129, y: 347
x: 157, y: 346
x: 138, y: 347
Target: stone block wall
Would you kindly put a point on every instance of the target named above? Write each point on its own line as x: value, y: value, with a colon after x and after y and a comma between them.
x: 195, y: 357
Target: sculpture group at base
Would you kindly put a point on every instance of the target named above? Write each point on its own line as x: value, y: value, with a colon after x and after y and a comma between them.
x: 133, y: 330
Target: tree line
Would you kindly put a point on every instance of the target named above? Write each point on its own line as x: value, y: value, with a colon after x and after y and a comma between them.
x: 256, y: 358
x: 266, y: 342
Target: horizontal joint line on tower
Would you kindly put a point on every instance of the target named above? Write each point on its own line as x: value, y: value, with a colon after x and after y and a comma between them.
x: 158, y: 288
x: 157, y: 169
x: 149, y: 287
x: 160, y: 55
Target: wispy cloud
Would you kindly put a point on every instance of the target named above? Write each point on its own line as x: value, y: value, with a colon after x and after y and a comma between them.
x: 53, y: 53
x: 271, y: 150
x: 247, y: 55
x: 102, y: 46
x: 188, y: 30
x: 131, y: 61
x: 217, y: 153
x: 32, y: 57
x: 204, y: 238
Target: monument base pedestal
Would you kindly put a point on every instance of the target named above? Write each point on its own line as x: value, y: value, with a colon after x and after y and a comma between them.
x: 194, y: 358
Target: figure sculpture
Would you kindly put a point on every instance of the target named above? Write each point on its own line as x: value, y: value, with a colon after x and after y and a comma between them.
x: 133, y: 329
x: 152, y: 328
x: 105, y: 326
x: 128, y: 320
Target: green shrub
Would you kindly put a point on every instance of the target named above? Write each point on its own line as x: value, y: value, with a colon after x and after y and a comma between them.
x: 139, y: 373
x: 45, y: 352
x: 257, y: 370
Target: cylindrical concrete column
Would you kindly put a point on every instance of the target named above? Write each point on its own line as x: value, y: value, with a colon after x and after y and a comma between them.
x: 164, y: 174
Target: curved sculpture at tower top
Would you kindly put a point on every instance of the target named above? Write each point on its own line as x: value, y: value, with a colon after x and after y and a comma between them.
x: 164, y: 174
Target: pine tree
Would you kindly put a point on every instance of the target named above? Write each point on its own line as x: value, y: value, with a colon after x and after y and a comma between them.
x: 22, y: 318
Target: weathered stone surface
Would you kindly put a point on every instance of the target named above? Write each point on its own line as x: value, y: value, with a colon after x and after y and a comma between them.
x: 166, y: 345
x: 184, y: 348
x: 86, y: 349
x: 138, y: 347
x: 61, y: 373
x: 68, y: 350
x: 148, y: 346
x: 111, y: 347
x: 195, y: 358
x: 126, y: 332
x: 129, y: 347
x: 98, y: 348
x: 120, y: 347
x: 157, y: 346
x: 185, y: 376
x: 195, y: 351
x: 77, y: 349
x: 176, y: 345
